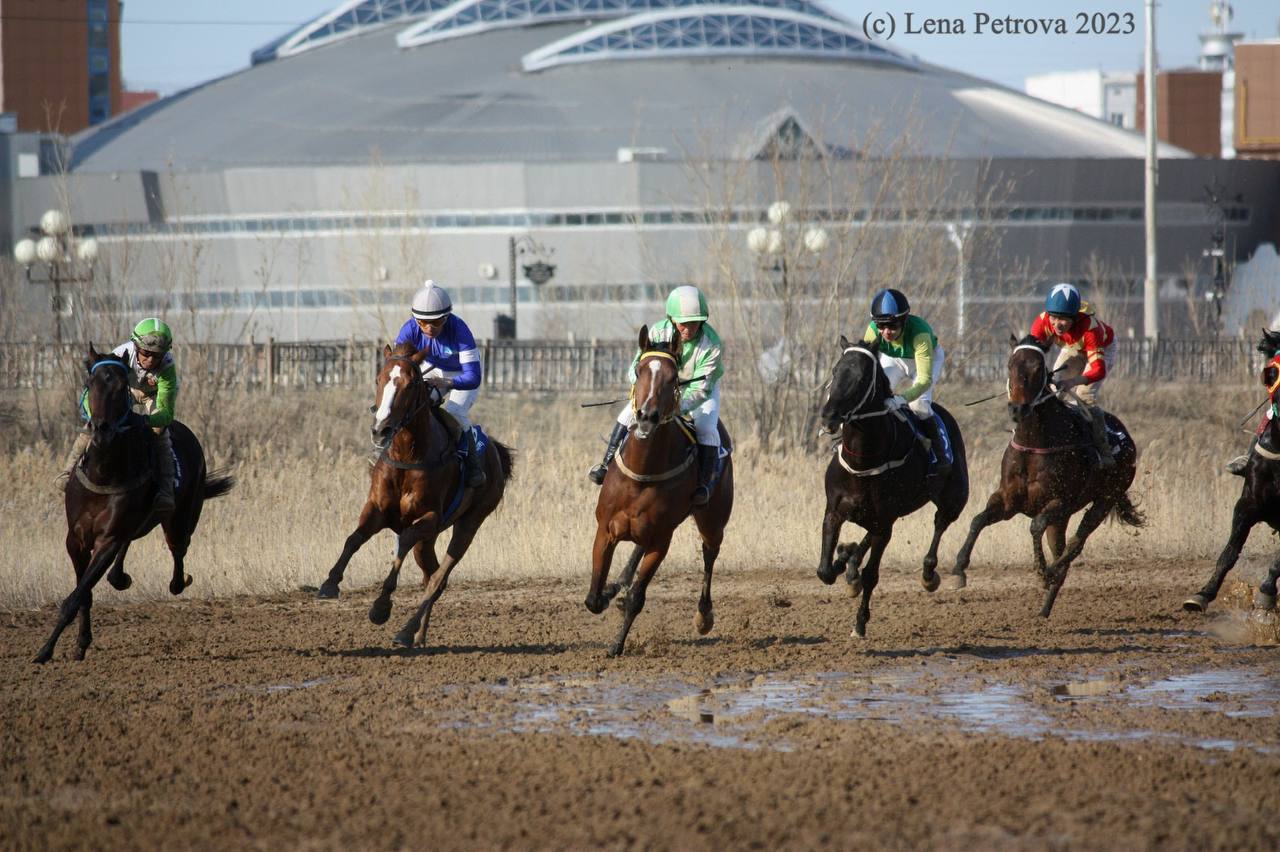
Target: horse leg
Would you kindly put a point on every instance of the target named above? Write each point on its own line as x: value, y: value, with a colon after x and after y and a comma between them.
x: 944, y: 517
x: 1057, y: 533
x: 1243, y: 519
x: 635, y: 599
x: 1266, y: 599
x: 427, y: 561
x: 371, y: 521
x: 712, y: 537
x: 178, y: 540
x: 103, y: 556
x: 117, y: 577
x: 415, y: 629
x: 80, y: 557
x: 1049, y: 515
x: 849, y: 559
x: 870, y: 577
x: 831, y: 523
x: 423, y: 529
x: 995, y: 512
x: 598, y: 596
x: 1056, y: 574
x: 625, y: 579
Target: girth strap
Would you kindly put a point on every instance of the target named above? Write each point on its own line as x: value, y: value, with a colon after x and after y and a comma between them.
x: 655, y: 477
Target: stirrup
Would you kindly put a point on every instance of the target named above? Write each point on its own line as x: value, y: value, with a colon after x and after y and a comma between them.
x: 598, y: 473
x: 1238, y: 465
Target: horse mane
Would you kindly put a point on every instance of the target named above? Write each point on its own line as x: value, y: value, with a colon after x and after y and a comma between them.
x: 403, y: 350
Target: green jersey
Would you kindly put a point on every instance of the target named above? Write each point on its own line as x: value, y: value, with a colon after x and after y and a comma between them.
x: 700, y: 358
x: 916, y: 344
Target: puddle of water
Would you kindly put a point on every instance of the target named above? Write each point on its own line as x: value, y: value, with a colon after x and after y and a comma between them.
x: 306, y: 684
x: 1085, y: 688
x: 1242, y: 692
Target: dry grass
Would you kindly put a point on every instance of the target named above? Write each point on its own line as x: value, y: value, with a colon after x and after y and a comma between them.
x: 300, y: 462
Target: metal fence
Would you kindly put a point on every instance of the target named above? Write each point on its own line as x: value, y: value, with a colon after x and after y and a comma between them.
x: 545, y: 366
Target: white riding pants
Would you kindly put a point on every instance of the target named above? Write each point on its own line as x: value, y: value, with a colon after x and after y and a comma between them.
x: 902, y: 374
x: 459, y: 402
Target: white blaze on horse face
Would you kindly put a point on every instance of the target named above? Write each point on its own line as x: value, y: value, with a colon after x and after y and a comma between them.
x: 654, y: 368
x: 388, y: 396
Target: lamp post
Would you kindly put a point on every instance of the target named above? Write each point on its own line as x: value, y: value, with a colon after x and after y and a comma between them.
x: 772, y: 247
x: 64, y: 259
x: 537, y: 271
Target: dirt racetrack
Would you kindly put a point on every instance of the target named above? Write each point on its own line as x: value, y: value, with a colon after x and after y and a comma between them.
x: 963, y: 721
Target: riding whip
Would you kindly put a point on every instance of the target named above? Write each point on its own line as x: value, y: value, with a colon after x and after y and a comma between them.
x: 1249, y: 416
x: 624, y: 399
x: 1002, y: 393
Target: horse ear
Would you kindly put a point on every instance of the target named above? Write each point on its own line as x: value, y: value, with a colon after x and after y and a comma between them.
x: 1013, y: 340
x: 644, y: 338
x: 844, y: 343
x: 386, y: 351
x: 93, y: 358
x: 419, y: 356
x: 875, y: 346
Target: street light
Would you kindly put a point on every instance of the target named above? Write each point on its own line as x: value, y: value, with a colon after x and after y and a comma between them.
x: 537, y: 271
x: 770, y: 245
x: 64, y: 258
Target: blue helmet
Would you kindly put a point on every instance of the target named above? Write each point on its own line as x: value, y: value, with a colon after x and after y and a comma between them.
x: 889, y: 305
x: 1063, y: 299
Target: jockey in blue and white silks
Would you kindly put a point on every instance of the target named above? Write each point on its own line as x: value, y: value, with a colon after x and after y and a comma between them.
x: 452, y: 364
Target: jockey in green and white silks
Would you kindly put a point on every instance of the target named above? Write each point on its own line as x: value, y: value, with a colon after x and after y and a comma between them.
x: 909, y: 352
x: 699, y: 359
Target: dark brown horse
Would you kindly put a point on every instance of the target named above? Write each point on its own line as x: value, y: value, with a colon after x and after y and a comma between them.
x: 648, y: 492
x: 1050, y: 471
x: 879, y: 473
x: 109, y: 495
x: 1259, y: 501
x: 416, y: 490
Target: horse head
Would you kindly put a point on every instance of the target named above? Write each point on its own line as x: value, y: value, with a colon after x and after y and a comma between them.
x: 655, y: 396
x: 858, y: 384
x: 107, y: 405
x: 1269, y: 345
x: 1028, y: 377
x: 401, y: 392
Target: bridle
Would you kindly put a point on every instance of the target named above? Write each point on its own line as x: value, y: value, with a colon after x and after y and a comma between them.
x: 852, y: 414
x: 406, y: 418
x: 635, y: 405
x: 1045, y: 394
x: 124, y: 422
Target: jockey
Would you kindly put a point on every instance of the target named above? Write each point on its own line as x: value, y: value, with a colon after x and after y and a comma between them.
x: 909, y: 350
x: 699, y: 359
x: 1087, y: 346
x: 153, y: 382
x: 452, y: 365
x: 1270, y: 346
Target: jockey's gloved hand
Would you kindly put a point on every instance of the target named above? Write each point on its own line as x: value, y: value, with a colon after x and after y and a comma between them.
x: 893, y: 403
x: 1068, y: 384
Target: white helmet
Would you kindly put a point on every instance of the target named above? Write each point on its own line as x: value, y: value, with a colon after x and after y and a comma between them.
x: 431, y: 302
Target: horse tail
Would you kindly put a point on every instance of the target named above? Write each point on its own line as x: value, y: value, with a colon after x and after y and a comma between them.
x: 507, y: 457
x: 219, y: 483
x: 1127, y: 513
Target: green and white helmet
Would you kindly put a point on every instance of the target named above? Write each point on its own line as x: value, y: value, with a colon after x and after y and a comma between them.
x: 153, y: 335
x: 687, y: 304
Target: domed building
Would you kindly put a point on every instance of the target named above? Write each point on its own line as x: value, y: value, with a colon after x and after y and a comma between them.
x: 574, y: 159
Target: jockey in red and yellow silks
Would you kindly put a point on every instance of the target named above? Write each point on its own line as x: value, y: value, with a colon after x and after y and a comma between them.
x: 1086, y: 349
x: 1239, y: 464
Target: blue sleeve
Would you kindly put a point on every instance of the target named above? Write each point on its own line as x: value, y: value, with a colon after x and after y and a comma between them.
x: 468, y: 358
x: 408, y: 334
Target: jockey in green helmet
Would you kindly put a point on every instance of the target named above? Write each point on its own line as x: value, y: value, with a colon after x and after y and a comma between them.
x: 699, y: 359
x: 153, y: 382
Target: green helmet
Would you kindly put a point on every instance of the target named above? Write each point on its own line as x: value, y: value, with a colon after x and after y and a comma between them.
x: 687, y: 304
x: 153, y: 335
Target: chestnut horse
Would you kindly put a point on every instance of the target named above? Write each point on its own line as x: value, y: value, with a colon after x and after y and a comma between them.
x: 648, y: 492
x: 1050, y: 471
x: 416, y: 490
x: 891, y: 478
x: 111, y: 490
x: 1259, y: 501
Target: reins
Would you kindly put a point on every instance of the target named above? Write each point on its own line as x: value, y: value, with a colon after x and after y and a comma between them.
x: 1043, y: 396
x: 662, y: 421
x: 385, y: 449
x: 853, y: 415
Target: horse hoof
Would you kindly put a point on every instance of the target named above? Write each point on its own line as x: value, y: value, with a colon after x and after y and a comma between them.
x: 955, y: 582
x: 120, y: 581
x: 78, y: 655
x: 177, y: 587
x: 705, y: 621
x: 381, y: 611
x: 1196, y: 603
x: 859, y: 632
x: 931, y: 582
x: 1264, y: 602
x: 615, y: 651
x: 829, y: 577
x: 401, y: 639
x: 43, y: 657
x: 327, y: 591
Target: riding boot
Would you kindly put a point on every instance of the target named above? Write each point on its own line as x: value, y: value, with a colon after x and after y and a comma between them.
x: 1098, y: 429
x: 930, y: 427
x: 707, y: 458
x: 474, y: 464
x: 596, y: 474
x: 163, y: 505
x: 1240, y: 464
x: 73, y: 458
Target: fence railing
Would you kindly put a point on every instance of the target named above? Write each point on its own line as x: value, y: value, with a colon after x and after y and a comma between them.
x: 543, y: 366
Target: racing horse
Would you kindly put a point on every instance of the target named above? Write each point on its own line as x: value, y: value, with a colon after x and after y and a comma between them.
x: 416, y: 489
x: 880, y: 472
x: 1259, y: 497
x: 110, y: 494
x: 1050, y: 471
x: 648, y: 492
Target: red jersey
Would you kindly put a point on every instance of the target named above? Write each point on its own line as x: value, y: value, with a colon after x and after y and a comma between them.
x: 1088, y: 334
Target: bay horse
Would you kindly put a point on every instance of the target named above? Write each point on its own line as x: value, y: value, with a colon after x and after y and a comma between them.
x: 416, y: 490
x: 1259, y: 501
x: 648, y: 492
x: 879, y: 473
x: 1050, y: 471
x: 110, y: 494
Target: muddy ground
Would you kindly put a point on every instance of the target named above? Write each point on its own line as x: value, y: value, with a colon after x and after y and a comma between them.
x: 964, y: 720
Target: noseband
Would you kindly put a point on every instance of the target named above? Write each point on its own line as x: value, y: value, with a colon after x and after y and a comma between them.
x: 413, y: 412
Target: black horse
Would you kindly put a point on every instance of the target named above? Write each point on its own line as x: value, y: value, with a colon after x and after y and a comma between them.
x: 1259, y: 501
x: 110, y: 493
x: 879, y: 473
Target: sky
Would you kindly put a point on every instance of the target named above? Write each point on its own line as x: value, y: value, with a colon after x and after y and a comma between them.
x: 170, y: 45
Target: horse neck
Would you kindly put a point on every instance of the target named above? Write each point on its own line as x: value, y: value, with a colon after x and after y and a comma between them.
x: 871, y: 437
x: 656, y: 453
x: 419, y: 437
x: 1050, y: 422
x: 119, y: 459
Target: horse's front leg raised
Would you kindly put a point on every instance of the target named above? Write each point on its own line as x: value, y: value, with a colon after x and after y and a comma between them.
x: 425, y: 529
x: 943, y: 517
x: 1056, y: 574
x: 598, y: 596
x: 104, y: 554
x: 635, y: 598
x: 877, y: 542
x: 1243, y: 519
x: 371, y: 521
x: 995, y: 512
x: 617, y: 592
x: 712, y: 537
x: 116, y: 576
x: 832, y: 520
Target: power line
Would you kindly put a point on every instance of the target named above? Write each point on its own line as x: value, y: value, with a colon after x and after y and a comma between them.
x: 149, y: 21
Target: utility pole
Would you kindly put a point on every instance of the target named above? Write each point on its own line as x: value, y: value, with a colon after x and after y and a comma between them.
x: 1150, y: 288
